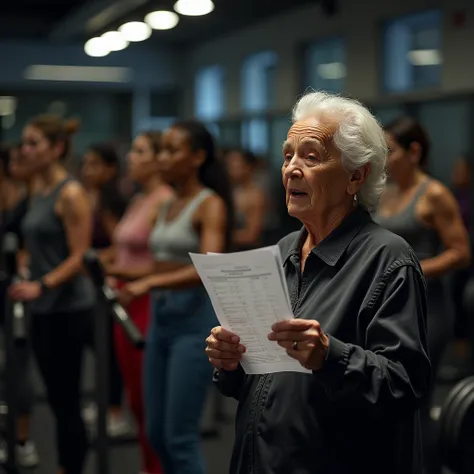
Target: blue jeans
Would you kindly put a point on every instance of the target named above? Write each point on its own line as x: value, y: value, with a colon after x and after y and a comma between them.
x: 177, y: 376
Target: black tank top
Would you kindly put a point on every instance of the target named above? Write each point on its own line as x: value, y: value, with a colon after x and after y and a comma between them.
x: 424, y: 240
x: 46, y: 242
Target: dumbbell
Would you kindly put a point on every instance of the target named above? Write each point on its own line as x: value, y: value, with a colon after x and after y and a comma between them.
x: 457, y: 428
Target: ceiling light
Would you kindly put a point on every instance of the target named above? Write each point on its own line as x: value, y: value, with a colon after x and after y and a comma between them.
x: 114, y: 41
x: 135, y: 31
x: 162, y: 20
x: 424, y: 57
x: 45, y: 72
x: 96, y: 48
x: 194, y: 7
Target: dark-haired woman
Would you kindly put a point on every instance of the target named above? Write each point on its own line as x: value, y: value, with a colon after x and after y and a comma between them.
x: 425, y: 213
x: 132, y: 255
x: 198, y: 219
x: 57, y: 230
x: 100, y: 172
x: 249, y: 199
x: 14, y: 197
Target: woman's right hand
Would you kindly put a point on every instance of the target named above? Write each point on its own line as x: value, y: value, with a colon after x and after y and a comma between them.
x: 111, y: 270
x: 224, y: 349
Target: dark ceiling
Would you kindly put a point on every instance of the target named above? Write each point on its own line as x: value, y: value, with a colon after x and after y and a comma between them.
x: 77, y: 20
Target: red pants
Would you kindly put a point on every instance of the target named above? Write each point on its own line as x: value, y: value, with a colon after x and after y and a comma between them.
x: 131, y: 365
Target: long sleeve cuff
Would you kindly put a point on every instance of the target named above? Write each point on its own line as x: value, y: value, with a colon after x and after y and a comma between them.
x: 335, y: 365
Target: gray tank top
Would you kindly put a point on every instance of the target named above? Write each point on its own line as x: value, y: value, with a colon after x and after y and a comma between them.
x: 424, y: 240
x: 172, y: 241
x: 45, y: 241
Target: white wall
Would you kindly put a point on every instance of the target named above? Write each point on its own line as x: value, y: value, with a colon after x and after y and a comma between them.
x: 360, y: 22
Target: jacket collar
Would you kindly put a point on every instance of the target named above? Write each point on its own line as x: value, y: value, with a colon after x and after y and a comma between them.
x: 331, y: 249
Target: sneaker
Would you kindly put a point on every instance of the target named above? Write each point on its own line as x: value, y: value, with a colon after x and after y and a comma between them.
x: 118, y: 427
x: 26, y: 454
x: 89, y: 413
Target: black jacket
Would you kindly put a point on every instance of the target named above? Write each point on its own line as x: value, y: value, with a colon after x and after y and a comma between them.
x: 359, y: 413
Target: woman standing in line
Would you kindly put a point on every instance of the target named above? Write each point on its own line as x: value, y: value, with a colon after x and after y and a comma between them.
x: 14, y: 197
x: 132, y: 254
x: 425, y: 213
x: 57, y: 231
x: 197, y: 219
x: 249, y: 198
x: 100, y: 172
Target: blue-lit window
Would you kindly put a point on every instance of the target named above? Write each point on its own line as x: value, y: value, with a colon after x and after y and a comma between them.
x: 255, y: 135
x: 325, y: 64
x: 209, y: 93
x: 258, y: 81
x: 412, y: 52
x: 258, y: 94
x: 214, y: 129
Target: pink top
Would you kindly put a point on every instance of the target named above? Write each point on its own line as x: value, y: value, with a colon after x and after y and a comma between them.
x: 132, y: 232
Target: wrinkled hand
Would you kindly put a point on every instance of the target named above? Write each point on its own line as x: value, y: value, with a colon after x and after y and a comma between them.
x: 132, y: 290
x: 311, y: 342
x: 224, y: 349
x: 25, y: 290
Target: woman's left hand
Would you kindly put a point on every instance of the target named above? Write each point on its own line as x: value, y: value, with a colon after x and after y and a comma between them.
x: 303, y: 340
x: 133, y: 290
x: 25, y: 290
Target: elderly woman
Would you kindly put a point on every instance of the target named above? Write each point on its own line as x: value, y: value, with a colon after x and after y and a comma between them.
x: 359, y: 300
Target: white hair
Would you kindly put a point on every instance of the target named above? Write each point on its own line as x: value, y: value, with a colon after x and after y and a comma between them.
x: 359, y: 137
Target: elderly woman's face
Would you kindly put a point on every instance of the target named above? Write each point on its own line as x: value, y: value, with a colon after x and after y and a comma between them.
x: 313, y: 175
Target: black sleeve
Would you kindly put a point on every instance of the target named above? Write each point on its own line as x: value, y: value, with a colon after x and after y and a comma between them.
x: 392, y: 370
x: 229, y: 383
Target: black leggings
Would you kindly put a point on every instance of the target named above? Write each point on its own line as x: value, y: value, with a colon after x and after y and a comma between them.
x: 115, y: 376
x: 58, y: 342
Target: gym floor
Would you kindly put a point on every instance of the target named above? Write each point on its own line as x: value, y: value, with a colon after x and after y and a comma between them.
x: 124, y: 457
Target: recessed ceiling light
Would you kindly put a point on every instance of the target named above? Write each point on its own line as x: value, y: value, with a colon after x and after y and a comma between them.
x: 135, y: 31
x: 114, y: 40
x: 162, y: 20
x: 194, y: 7
x: 96, y: 47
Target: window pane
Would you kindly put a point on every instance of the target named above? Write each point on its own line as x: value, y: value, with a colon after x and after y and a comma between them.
x: 279, y: 132
x: 326, y: 65
x: 448, y: 126
x: 255, y: 135
x: 412, y: 52
x: 387, y: 114
x: 209, y: 93
x: 155, y: 123
x: 213, y: 127
x: 230, y: 134
x: 258, y: 81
